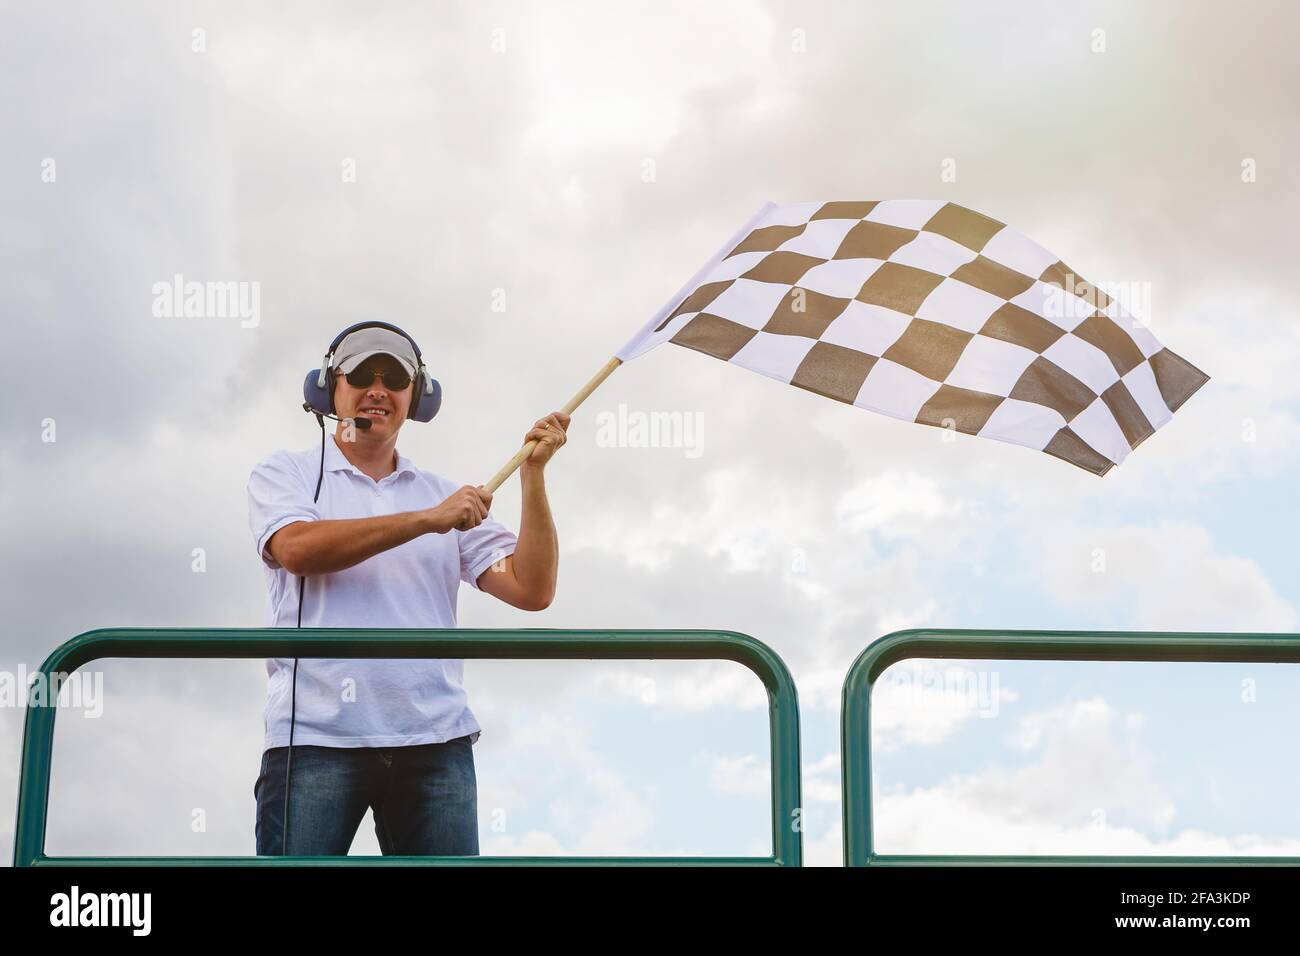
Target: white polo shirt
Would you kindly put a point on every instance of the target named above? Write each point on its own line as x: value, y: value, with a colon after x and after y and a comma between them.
x: 364, y: 702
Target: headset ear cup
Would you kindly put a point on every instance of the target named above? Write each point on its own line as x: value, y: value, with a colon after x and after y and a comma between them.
x: 426, y: 404
x: 320, y: 399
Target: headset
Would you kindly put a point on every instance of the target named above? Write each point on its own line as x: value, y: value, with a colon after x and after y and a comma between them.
x: 318, y: 386
x: 318, y: 395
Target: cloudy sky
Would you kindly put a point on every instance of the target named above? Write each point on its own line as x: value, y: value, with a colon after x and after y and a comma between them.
x: 521, y: 186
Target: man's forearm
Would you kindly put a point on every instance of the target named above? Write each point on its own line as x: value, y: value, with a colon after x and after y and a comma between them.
x: 322, y: 547
x: 537, y: 552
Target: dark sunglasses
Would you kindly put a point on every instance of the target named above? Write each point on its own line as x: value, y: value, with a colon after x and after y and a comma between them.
x: 394, y: 379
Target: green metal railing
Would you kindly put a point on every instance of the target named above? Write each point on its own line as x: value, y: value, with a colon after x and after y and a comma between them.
x: 528, y: 644
x: 855, y: 717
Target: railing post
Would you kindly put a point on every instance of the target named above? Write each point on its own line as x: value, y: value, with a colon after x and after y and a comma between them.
x: 34, y: 784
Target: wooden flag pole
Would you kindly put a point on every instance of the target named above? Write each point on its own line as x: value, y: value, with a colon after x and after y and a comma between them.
x: 509, y: 467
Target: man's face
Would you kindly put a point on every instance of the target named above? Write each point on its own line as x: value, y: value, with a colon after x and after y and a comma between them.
x: 385, y: 407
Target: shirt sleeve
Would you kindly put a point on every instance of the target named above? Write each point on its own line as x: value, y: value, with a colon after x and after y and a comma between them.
x: 277, y: 496
x: 483, y: 546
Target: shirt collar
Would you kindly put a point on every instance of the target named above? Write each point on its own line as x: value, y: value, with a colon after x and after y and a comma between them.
x: 335, y: 461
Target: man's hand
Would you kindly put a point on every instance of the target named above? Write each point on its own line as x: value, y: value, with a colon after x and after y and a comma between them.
x: 549, y: 433
x: 526, y: 579
x: 463, y: 509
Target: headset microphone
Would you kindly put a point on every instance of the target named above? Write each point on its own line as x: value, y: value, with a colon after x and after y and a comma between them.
x: 362, y: 423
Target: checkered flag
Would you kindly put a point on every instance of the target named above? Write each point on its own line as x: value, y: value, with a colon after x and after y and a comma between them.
x: 933, y: 313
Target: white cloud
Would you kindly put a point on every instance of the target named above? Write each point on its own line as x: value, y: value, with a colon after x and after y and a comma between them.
x: 821, y: 780
x: 890, y: 502
x: 691, y: 687
x: 747, y: 774
x: 1088, y: 791
x: 935, y: 820
x: 1166, y: 575
x: 923, y: 702
x: 532, y: 843
x: 596, y: 810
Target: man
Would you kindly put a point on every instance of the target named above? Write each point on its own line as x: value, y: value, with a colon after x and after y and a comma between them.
x: 384, y: 545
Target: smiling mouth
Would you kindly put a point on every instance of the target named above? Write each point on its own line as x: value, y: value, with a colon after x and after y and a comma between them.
x: 375, y: 412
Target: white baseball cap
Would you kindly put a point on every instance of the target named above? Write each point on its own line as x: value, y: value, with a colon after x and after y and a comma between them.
x: 372, y: 340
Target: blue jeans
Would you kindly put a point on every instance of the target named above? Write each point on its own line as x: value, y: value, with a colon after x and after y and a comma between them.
x: 424, y: 797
